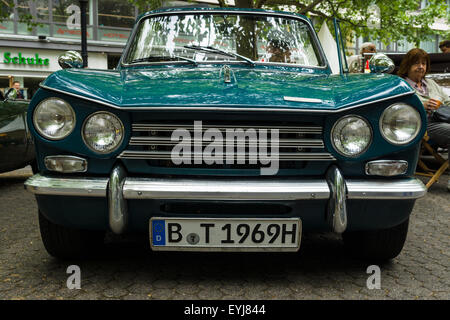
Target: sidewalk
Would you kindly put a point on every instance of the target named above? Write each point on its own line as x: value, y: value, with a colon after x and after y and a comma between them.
x: 20, y: 173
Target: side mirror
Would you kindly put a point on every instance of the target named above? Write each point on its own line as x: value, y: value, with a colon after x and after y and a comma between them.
x: 70, y: 59
x: 381, y: 63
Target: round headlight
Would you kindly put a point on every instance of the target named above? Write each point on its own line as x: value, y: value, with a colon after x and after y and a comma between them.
x: 54, y: 119
x: 351, y: 135
x: 103, y: 132
x: 400, y: 123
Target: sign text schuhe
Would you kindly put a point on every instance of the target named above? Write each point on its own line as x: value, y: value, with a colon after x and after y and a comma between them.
x: 36, y: 60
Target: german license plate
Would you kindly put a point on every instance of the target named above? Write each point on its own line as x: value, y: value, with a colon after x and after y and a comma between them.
x: 237, y: 234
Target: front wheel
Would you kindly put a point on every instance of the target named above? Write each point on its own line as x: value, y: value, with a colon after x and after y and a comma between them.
x: 66, y: 243
x: 377, y: 245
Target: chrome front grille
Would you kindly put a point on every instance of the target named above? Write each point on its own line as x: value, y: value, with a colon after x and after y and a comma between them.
x: 152, y: 141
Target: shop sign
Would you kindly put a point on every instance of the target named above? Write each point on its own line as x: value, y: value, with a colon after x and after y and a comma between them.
x: 19, y: 59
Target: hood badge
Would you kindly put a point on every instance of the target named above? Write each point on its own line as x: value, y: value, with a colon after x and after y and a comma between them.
x: 300, y: 99
x: 226, y: 70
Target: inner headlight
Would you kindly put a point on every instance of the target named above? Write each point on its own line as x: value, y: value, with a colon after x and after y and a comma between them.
x: 103, y: 132
x: 400, y: 123
x: 54, y: 119
x: 351, y: 135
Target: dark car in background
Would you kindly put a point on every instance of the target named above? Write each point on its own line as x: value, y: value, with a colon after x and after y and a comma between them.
x: 16, y: 143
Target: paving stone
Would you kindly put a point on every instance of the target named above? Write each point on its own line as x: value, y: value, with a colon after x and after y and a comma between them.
x: 129, y: 271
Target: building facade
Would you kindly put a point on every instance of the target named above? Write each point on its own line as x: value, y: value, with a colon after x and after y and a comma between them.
x: 30, y: 54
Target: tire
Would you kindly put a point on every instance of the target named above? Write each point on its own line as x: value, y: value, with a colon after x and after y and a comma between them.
x: 377, y: 245
x: 66, y: 243
x: 34, y: 167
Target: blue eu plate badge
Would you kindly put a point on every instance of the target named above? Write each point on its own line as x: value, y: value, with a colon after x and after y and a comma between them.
x: 158, y: 233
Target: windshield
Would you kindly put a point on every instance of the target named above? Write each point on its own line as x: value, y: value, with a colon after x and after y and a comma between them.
x: 223, y: 37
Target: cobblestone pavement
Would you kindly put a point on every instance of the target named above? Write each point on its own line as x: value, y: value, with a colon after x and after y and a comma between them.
x: 129, y: 270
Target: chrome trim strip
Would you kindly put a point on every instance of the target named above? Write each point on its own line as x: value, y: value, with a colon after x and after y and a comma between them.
x: 218, y: 108
x: 152, y: 188
x: 80, y: 96
x: 300, y: 99
x: 213, y: 189
x: 76, y: 186
x: 171, y: 127
x: 282, y: 156
x: 118, y: 211
x: 408, y: 188
x: 167, y: 141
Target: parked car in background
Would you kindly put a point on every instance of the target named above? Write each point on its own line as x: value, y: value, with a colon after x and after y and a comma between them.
x: 16, y: 143
x: 442, y: 79
x: 225, y: 130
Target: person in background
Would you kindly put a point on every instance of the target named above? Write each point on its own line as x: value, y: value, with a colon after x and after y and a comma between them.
x: 279, y: 51
x: 17, y: 93
x: 413, y: 69
x: 445, y: 46
x: 354, y: 62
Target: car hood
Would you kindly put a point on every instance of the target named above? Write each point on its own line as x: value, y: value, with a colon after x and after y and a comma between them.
x: 206, y: 86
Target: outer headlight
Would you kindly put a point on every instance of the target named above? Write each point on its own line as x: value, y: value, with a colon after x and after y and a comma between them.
x: 54, y: 119
x: 400, y: 123
x: 102, y: 132
x: 351, y: 135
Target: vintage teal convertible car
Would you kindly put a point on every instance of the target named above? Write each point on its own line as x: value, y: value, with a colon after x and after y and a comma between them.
x: 225, y: 130
x: 16, y: 143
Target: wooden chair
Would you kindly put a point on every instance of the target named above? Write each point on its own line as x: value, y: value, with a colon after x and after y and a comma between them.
x: 425, y: 170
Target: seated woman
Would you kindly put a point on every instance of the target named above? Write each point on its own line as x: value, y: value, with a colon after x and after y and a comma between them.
x: 413, y: 69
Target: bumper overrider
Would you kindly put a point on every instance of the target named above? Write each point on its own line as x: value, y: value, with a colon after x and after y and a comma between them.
x: 334, y: 189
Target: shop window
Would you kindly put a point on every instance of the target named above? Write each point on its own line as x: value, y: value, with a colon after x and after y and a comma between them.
x: 428, y: 45
x: 7, y: 25
x: 67, y: 19
x: 32, y: 85
x: 4, y: 85
x: 107, y: 34
x: 68, y: 12
x: 23, y: 10
x: 115, y: 13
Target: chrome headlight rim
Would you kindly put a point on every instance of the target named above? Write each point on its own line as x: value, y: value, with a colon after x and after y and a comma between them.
x: 401, y: 143
x: 41, y: 132
x: 368, y: 144
x: 122, y: 128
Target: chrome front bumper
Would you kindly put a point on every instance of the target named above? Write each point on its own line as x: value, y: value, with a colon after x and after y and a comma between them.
x: 119, y: 188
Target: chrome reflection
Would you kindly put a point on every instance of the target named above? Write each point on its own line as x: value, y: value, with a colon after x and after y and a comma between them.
x: 118, y: 212
x: 337, y: 207
x: 70, y: 59
x: 381, y: 63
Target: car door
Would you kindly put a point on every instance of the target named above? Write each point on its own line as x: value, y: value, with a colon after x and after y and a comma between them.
x: 14, y: 137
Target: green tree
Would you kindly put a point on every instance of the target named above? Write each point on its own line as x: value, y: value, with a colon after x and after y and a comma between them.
x: 397, y: 19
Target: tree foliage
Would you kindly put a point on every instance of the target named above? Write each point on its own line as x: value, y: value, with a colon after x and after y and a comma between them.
x: 397, y: 19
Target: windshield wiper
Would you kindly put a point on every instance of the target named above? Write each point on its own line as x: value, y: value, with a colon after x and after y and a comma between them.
x: 210, y: 49
x: 163, y: 59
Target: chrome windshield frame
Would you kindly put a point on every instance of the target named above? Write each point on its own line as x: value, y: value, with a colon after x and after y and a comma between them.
x: 321, y: 55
